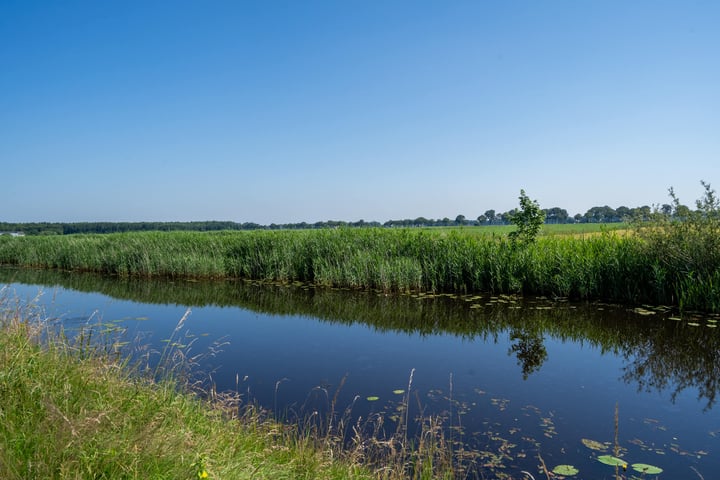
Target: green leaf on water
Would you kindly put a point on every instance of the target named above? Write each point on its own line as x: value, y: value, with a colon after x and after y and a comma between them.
x: 645, y: 468
x: 399, y: 391
x: 612, y: 461
x: 373, y: 398
x: 693, y: 324
x: 565, y: 470
x: 593, y: 444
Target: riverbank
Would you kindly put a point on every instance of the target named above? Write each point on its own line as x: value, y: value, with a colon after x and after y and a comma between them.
x: 609, y: 266
x: 73, y: 409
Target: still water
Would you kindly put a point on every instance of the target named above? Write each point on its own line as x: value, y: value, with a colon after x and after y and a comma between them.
x: 512, y: 377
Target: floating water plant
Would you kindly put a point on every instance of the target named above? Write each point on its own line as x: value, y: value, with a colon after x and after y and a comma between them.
x: 565, y: 470
x: 646, y: 469
x: 612, y: 461
x: 399, y: 391
x: 373, y: 398
x: 594, y: 444
x: 643, y: 311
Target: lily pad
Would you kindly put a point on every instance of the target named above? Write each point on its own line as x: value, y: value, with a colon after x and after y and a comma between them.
x: 399, y: 391
x: 593, y: 444
x: 612, y: 461
x: 645, y: 468
x: 565, y: 470
x: 642, y: 311
x: 373, y: 398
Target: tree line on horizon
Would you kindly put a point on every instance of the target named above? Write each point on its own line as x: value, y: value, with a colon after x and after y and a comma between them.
x: 555, y: 215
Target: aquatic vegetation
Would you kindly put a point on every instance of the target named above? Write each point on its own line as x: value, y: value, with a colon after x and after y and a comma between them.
x: 612, y: 461
x: 568, y: 470
x: 594, y: 445
x: 606, y: 266
x: 647, y: 469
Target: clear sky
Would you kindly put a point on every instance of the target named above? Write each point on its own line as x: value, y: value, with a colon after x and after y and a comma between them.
x: 275, y: 111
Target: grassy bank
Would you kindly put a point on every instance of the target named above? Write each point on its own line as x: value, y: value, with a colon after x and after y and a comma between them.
x: 625, y: 268
x: 74, y: 411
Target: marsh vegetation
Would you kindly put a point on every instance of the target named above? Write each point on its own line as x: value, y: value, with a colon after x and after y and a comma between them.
x: 625, y: 268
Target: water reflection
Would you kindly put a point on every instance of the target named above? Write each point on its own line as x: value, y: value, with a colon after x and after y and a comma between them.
x: 514, y: 377
x: 529, y: 349
x: 661, y: 353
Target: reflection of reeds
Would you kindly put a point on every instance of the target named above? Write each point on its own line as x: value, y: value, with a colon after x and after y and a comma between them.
x: 616, y: 442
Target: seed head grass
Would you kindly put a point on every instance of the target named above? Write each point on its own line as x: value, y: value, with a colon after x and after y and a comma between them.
x: 71, y: 408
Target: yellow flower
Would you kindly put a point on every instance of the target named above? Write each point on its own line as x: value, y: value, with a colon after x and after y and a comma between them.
x: 203, y: 474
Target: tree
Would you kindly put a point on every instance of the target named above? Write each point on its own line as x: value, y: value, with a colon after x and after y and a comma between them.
x: 601, y: 215
x: 556, y: 215
x: 528, y: 219
x: 460, y: 220
x: 490, y: 215
x: 624, y: 213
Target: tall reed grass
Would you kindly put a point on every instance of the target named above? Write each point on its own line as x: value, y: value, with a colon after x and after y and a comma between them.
x: 604, y: 266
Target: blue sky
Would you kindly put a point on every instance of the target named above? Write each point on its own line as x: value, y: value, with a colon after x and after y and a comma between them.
x: 289, y: 111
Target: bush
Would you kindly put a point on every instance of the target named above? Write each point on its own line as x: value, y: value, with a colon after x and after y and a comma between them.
x: 684, y: 245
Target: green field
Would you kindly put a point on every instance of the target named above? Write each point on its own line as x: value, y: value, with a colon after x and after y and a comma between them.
x: 547, y: 230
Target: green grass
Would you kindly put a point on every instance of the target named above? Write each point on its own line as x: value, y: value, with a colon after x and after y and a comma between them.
x: 71, y: 410
x: 547, y: 230
x: 579, y: 264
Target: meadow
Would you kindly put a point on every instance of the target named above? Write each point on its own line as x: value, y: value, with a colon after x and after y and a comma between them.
x: 648, y: 266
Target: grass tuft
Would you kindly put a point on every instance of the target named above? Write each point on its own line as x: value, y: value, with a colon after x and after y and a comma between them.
x: 71, y: 408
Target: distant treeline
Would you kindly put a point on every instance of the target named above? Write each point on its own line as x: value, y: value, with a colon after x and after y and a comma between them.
x: 554, y: 215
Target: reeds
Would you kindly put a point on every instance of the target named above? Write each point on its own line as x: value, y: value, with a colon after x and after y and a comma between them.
x: 606, y: 266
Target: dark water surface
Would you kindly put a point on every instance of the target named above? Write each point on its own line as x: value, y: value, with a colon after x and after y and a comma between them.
x: 512, y: 377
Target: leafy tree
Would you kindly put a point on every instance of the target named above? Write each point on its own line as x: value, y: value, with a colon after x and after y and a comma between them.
x: 623, y: 212
x: 528, y: 219
x: 505, y: 217
x: 490, y: 215
x: 460, y: 219
x: 556, y: 215
x: 601, y: 215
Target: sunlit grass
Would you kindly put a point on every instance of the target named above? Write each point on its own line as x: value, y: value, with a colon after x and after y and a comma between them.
x: 579, y: 263
x: 72, y: 409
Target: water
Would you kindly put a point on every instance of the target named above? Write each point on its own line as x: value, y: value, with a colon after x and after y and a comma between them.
x: 513, y: 378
